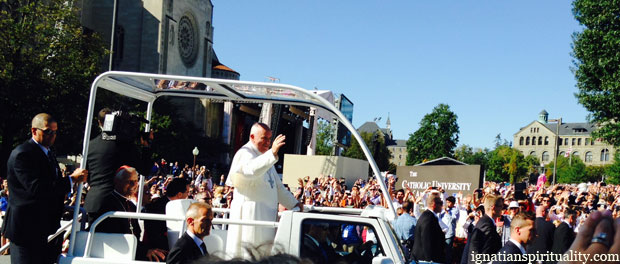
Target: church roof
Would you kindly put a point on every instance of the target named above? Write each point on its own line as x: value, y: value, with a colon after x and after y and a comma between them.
x: 369, y: 127
x: 223, y: 67
x: 572, y: 129
x: 397, y: 143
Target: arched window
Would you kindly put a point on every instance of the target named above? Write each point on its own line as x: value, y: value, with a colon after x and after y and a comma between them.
x: 546, y: 140
x: 545, y: 156
x: 562, y: 153
x: 605, y: 155
x: 527, y: 141
x: 533, y: 153
x: 579, y: 141
x: 520, y: 141
x: 576, y: 154
x: 589, y: 156
x: 540, y: 141
x: 573, y: 142
x: 566, y: 141
x: 533, y: 140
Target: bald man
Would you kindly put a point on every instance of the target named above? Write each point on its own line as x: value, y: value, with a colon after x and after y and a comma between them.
x: 38, y: 190
x: 258, y: 190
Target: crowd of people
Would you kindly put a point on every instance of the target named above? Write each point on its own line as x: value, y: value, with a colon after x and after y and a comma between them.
x: 431, y: 224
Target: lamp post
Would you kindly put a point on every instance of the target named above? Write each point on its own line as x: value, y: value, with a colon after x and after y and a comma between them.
x: 556, y: 147
x: 195, y: 152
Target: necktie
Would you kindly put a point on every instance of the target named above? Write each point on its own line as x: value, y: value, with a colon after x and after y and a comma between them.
x: 204, y: 249
x: 53, y: 163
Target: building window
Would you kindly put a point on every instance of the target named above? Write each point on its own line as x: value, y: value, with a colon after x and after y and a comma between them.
x: 562, y: 153
x: 605, y: 155
x: 527, y: 141
x: 533, y: 153
x: 540, y: 142
x: 520, y: 141
x: 545, y: 156
x: 573, y: 142
x: 546, y: 141
x: 533, y: 140
x: 576, y: 154
x: 589, y: 156
x: 579, y: 142
x: 559, y: 141
x: 566, y: 141
x: 587, y: 141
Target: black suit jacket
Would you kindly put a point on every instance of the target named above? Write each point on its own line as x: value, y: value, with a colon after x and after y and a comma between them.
x: 562, y: 238
x: 429, y: 240
x: 156, y: 232
x: 37, y: 193
x: 543, y: 241
x: 104, y: 158
x: 510, y: 248
x: 184, y: 250
x: 484, y: 238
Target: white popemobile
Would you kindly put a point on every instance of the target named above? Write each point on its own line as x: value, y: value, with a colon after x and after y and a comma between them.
x: 95, y: 247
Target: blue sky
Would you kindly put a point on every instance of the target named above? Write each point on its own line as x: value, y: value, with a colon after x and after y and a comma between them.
x: 496, y: 63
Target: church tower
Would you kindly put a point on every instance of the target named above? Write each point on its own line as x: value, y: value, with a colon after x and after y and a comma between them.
x: 543, y: 116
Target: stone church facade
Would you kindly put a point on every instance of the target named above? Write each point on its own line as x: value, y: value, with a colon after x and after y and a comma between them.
x: 537, y: 139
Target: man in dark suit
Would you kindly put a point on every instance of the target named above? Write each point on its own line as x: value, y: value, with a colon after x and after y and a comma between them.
x: 105, y: 155
x: 484, y: 238
x: 564, y: 234
x: 155, y: 232
x: 38, y: 190
x: 429, y: 243
x: 119, y: 199
x: 191, y: 245
x: 521, y: 233
x: 543, y: 240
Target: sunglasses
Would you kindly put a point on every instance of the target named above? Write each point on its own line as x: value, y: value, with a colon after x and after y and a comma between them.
x: 48, y: 132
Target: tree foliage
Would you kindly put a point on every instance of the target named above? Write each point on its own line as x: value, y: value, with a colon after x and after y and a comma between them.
x: 595, y: 173
x: 508, y: 164
x: 613, y: 171
x: 376, y: 145
x: 596, y: 53
x: 48, y: 63
x: 437, y: 136
x: 569, y: 170
x: 324, y: 138
x: 469, y: 155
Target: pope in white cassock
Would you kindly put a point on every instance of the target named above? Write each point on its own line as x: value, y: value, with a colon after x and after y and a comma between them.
x: 258, y: 190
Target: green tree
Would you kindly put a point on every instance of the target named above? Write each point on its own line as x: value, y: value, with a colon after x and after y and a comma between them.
x: 437, y: 136
x: 595, y: 173
x: 508, y: 164
x: 48, y: 63
x: 613, y: 171
x: 469, y: 155
x: 596, y: 53
x: 324, y: 138
x: 376, y: 145
x: 569, y: 170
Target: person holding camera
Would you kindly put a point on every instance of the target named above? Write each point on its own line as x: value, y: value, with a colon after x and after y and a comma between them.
x: 106, y: 153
